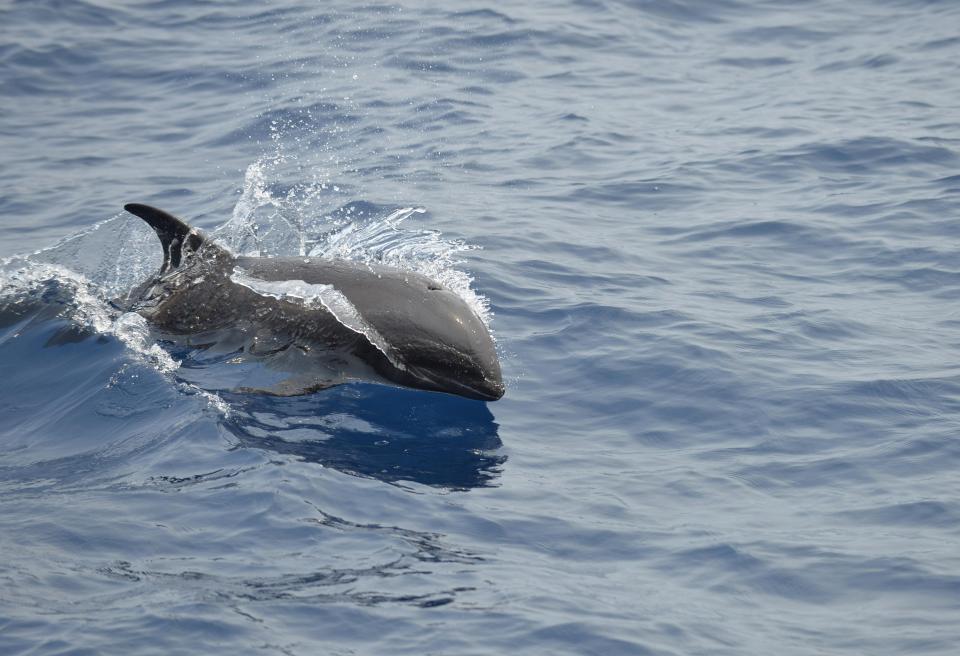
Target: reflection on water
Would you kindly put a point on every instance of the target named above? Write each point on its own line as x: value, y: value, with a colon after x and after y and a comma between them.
x: 382, y: 432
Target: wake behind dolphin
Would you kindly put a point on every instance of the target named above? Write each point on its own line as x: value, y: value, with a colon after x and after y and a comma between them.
x: 313, y: 323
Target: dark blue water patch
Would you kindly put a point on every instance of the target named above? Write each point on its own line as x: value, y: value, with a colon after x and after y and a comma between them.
x: 917, y: 513
x: 724, y: 568
x: 774, y: 476
x: 937, y: 44
x: 650, y: 195
x: 819, y: 468
x: 945, y: 283
x: 927, y: 3
x: 865, y: 411
x: 755, y: 62
x: 820, y: 328
x: 381, y: 432
x: 788, y: 35
x: 615, y: 261
x: 851, y: 209
x: 686, y: 11
x: 760, y: 301
x: 881, y: 574
x: 802, y: 240
x: 216, y: 19
x: 920, y: 105
x: 56, y: 60
x: 861, y: 157
x: 845, y: 578
x: 868, y: 62
x: 74, y: 13
x: 475, y: 90
x: 421, y: 65
x: 437, y: 120
x: 952, y: 182
x: 924, y: 455
x: 587, y: 640
x: 485, y: 15
x: 485, y: 40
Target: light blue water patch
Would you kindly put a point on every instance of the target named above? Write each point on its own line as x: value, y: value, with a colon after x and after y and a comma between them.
x: 718, y: 242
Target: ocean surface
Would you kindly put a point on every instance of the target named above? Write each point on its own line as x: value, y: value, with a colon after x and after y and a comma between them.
x: 718, y: 244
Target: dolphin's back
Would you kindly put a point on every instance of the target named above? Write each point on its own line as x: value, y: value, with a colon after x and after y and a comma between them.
x: 413, y: 312
x: 375, y: 288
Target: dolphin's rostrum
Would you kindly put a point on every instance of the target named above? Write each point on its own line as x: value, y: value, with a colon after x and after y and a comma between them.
x: 318, y: 321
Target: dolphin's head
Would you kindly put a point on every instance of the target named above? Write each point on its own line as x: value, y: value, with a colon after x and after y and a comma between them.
x: 436, y: 341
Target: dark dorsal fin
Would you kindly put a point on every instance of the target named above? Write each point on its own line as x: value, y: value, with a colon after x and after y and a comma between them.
x: 173, y: 233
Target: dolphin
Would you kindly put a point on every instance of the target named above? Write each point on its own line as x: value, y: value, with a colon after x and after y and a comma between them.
x: 318, y: 322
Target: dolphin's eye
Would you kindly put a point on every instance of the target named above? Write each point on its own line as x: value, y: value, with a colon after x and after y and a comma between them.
x: 434, y: 287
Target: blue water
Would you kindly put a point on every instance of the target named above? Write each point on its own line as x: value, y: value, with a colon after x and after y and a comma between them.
x: 719, y: 241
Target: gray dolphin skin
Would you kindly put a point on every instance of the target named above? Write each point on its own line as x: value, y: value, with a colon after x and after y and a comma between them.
x: 373, y: 322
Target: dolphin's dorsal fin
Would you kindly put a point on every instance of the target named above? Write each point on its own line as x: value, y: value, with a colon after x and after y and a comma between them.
x: 173, y: 233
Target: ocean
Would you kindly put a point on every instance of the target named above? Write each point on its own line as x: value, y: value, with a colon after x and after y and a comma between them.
x: 713, y: 239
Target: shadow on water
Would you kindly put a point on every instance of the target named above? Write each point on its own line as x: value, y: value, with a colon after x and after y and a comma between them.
x: 376, y: 431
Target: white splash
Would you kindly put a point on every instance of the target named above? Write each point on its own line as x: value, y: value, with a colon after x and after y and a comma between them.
x: 272, y: 220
